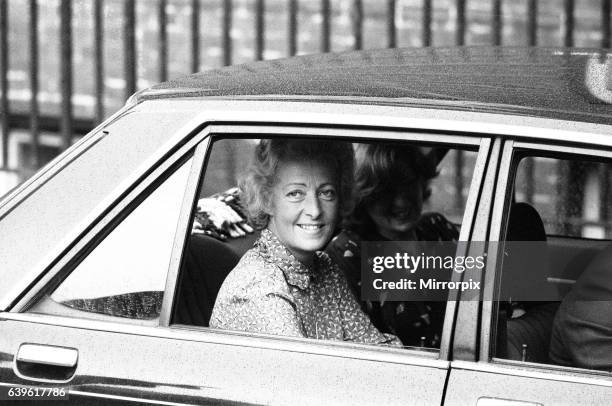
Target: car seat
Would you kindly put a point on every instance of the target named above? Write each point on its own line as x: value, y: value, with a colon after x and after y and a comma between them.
x: 527, y: 338
x: 206, y: 263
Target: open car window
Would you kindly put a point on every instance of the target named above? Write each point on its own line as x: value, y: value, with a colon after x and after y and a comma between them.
x: 222, y: 252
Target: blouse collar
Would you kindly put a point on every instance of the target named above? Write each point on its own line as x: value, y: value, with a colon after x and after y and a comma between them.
x: 273, y: 250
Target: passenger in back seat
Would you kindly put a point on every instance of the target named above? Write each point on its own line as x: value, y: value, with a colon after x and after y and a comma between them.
x: 528, y: 321
x: 582, y: 329
x: 391, y: 185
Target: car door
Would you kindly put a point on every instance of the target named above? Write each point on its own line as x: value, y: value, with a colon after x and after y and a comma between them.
x: 358, y: 373
x: 82, y: 324
x: 119, y: 344
x: 509, y: 358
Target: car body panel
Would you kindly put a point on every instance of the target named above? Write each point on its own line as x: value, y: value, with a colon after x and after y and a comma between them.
x: 353, y: 113
x: 418, y: 376
x: 191, y: 366
x: 470, y: 382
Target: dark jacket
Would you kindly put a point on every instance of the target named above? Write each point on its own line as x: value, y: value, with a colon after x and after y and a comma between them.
x: 582, y: 329
x: 415, y: 323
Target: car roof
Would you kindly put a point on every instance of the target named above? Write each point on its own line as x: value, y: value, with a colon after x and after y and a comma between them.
x: 559, y: 83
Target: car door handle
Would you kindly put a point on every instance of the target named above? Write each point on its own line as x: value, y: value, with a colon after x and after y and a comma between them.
x: 486, y: 401
x: 46, y: 362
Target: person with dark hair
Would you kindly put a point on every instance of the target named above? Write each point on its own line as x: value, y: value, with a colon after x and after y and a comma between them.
x: 391, y: 184
x: 295, y: 191
x: 582, y: 328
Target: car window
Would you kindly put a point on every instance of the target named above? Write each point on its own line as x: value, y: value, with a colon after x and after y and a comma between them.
x: 556, y: 282
x: 95, y: 172
x: 240, y: 269
x: 124, y: 276
x: 450, y: 188
x: 569, y: 195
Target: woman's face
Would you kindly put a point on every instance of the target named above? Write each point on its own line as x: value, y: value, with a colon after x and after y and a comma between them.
x: 397, y: 213
x: 304, y: 207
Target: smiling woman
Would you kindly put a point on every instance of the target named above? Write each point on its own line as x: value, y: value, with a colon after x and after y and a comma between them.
x: 392, y: 185
x: 304, y: 207
x: 295, y: 190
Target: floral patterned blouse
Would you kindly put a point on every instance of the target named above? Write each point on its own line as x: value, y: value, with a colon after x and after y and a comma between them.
x: 270, y: 291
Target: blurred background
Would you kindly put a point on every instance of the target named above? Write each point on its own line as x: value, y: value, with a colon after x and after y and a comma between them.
x: 66, y: 65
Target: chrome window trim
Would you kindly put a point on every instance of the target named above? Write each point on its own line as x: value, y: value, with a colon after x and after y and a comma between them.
x: 495, y: 233
x: 341, y: 349
x: 337, y: 349
x: 465, y: 340
x: 562, y: 149
x: 92, y: 231
x: 469, y: 216
x: 395, y: 134
x: 497, y: 228
x: 537, y: 371
x: 467, y: 224
x: 182, y: 229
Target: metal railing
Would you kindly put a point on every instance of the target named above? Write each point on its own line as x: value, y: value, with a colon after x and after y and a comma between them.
x: 67, y: 126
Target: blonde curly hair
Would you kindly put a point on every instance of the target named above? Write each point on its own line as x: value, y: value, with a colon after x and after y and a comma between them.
x: 260, y: 177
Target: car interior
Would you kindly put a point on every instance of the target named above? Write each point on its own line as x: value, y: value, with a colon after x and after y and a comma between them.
x: 202, y: 276
x: 524, y: 321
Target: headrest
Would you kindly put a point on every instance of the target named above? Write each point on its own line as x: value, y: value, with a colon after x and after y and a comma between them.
x: 525, y: 224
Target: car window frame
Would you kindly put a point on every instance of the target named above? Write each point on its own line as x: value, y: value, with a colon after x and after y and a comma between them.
x: 9, y: 201
x: 480, y: 143
x: 467, y: 311
x: 513, y: 151
x: 115, y: 213
x: 174, y: 129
